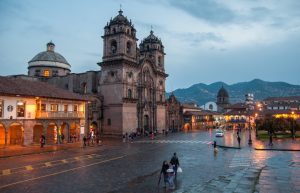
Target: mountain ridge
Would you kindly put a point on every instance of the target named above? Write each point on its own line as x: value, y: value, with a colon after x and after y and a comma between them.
x: 201, y: 93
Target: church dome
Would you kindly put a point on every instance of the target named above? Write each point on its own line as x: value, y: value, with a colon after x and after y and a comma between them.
x: 48, y: 64
x: 223, y: 93
x: 49, y: 58
x: 151, y: 42
x: 151, y: 39
x: 120, y: 19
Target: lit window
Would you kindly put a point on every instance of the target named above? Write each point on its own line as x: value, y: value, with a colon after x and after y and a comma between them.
x: 46, y: 73
x: 43, y: 107
x: 54, y: 107
x: 75, y: 108
x: 20, y: 109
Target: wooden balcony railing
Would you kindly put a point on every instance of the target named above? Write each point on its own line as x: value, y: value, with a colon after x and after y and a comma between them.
x: 59, y: 114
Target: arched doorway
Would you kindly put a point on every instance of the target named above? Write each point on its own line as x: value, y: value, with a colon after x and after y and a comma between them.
x: 187, y: 126
x: 37, y: 132
x: 51, y: 136
x: 74, y: 132
x: 15, y: 134
x: 2, y: 134
x: 94, y: 128
x: 64, y: 129
x: 146, y: 123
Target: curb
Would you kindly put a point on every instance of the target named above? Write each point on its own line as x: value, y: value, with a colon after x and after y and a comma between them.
x: 41, y: 152
x: 228, y: 147
x: 269, y: 149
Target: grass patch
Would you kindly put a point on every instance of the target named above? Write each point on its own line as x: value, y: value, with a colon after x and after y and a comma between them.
x: 265, y: 135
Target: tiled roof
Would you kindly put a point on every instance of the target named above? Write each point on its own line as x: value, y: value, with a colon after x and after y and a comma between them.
x: 282, y: 98
x: 16, y: 86
x: 201, y: 113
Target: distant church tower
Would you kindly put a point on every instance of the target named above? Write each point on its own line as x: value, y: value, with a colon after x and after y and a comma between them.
x: 132, y: 80
x: 222, y: 99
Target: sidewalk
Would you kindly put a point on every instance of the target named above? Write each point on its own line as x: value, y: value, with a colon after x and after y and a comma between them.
x: 278, y: 145
x: 242, y: 181
x: 17, y: 150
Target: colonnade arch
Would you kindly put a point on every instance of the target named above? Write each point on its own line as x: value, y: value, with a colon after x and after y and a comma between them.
x: 2, y: 134
x: 15, y: 134
x: 12, y: 131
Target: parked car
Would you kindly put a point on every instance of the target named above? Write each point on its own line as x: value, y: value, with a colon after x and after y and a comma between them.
x: 219, y: 133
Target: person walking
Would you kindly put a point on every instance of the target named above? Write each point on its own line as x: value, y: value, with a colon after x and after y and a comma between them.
x: 239, y: 140
x: 171, y: 176
x: 215, y: 147
x: 42, y: 141
x: 163, y: 171
x: 175, y: 162
x: 62, y: 138
x: 84, y: 141
x: 270, y: 140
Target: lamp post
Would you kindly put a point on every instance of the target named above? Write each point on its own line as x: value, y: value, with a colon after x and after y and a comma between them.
x: 293, y: 129
x: 256, y: 133
x: 249, y: 126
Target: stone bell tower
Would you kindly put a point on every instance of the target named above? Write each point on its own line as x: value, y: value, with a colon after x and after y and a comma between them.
x: 119, y: 69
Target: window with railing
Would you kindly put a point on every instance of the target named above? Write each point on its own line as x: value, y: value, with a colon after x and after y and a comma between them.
x: 65, y: 108
x: 75, y: 108
x: 54, y: 107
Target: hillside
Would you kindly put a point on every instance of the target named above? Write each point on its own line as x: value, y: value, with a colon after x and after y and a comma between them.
x: 202, y: 93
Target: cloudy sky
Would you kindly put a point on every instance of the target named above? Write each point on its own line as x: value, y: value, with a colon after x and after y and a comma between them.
x: 205, y: 40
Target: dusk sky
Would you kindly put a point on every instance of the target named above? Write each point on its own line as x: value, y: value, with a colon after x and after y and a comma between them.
x: 205, y: 41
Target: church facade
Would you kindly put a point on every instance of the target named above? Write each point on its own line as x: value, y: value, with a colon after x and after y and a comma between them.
x: 128, y: 93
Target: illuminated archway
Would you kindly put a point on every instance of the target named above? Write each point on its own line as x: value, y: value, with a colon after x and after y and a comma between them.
x: 37, y: 132
x: 187, y: 126
x: 2, y: 134
x: 51, y: 136
x: 15, y: 135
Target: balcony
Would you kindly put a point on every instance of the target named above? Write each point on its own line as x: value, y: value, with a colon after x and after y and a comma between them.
x: 59, y: 114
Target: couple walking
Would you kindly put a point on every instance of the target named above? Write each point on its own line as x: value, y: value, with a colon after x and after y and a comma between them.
x: 169, y: 171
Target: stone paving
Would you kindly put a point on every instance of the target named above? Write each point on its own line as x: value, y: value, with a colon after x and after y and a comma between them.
x: 252, y: 171
x: 242, y: 181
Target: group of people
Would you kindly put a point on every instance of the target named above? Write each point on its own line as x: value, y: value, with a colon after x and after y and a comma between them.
x: 91, y: 138
x: 169, y: 171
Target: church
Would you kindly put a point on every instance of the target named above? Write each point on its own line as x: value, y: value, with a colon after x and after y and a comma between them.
x: 127, y: 94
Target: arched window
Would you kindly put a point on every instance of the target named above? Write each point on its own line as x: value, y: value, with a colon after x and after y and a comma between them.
x: 159, y: 60
x: 46, y: 73
x: 114, y: 30
x: 210, y: 107
x: 113, y: 46
x: 148, y: 48
x: 160, y: 98
x: 128, y: 48
x: 129, y: 93
x: 84, y: 88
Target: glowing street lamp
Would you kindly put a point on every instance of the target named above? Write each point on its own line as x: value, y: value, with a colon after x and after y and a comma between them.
x: 293, y: 130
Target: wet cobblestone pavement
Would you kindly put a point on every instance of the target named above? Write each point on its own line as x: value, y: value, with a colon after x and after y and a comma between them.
x: 134, y: 167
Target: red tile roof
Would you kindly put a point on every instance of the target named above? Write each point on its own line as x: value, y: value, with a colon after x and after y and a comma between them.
x: 27, y: 88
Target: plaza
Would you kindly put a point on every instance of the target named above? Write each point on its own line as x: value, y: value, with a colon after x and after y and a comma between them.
x: 115, y: 166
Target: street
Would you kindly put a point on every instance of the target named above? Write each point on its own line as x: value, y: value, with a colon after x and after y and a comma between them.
x: 135, y: 167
